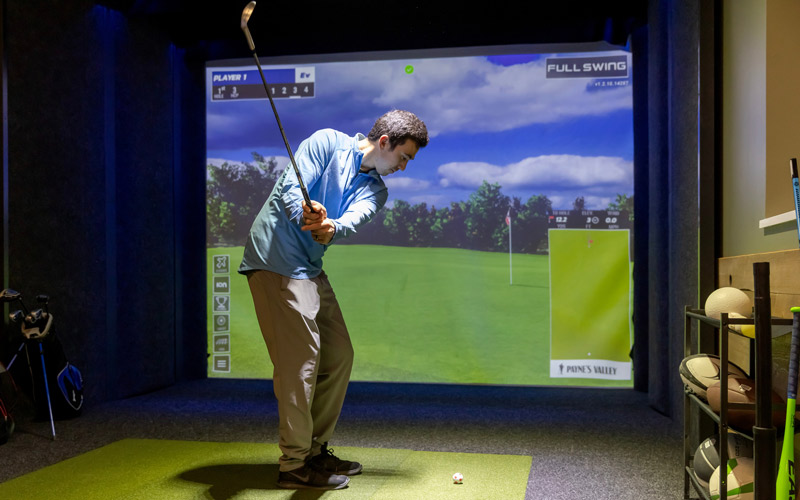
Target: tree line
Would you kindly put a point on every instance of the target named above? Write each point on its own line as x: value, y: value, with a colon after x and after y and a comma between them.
x: 237, y: 191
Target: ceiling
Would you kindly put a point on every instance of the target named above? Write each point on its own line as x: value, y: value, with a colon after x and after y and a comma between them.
x: 287, y: 27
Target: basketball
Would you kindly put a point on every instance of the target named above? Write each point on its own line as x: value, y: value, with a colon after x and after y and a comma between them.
x: 699, y: 371
x: 706, y: 457
x: 739, y: 482
x: 728, y: 300
x: 743, y: 390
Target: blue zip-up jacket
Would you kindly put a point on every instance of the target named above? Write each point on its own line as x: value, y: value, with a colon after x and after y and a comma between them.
x: 330, y: 164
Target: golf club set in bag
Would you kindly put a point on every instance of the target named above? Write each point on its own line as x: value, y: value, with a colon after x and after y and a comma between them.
x: 54, y: 386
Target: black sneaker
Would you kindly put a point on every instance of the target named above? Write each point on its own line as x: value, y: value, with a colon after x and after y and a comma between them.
x: 306, y: 477
x: 329, y: 463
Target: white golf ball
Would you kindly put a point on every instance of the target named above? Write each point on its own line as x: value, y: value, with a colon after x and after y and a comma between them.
x: 458, y: 478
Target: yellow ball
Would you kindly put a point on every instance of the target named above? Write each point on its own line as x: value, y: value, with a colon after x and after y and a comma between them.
x: 746, y: 330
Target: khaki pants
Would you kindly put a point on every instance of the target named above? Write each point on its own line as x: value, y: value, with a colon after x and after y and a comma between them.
x: 310, y: 348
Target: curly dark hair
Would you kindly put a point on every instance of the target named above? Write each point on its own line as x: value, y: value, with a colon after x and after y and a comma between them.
x: 400, y: 126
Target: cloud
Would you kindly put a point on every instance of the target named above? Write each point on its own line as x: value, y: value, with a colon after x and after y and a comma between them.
x: 550, y: 172
x: 472, y: 94
x: 405, y: 183
x: 452, y: 95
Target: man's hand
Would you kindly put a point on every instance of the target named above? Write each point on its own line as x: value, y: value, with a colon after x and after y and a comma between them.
x: 321, y: 227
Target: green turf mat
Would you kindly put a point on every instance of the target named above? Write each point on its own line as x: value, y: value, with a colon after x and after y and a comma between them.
x: 165, y: 470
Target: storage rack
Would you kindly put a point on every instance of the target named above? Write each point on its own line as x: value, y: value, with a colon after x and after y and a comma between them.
x: 721, y: 327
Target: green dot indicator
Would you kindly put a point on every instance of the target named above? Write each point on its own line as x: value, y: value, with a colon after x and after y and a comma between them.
x: 409, y: 69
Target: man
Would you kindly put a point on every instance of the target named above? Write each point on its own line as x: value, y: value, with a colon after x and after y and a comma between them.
x: 297, y: 311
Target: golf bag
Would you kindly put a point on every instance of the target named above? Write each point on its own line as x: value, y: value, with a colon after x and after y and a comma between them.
x: 8, y: 401
x: 55, y: 386
x: 6, y: 423
x: 64, y: 382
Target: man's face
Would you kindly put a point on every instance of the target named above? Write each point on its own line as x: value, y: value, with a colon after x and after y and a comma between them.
x: 391, y: 160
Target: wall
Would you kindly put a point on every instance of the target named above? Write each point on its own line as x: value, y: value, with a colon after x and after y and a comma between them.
x: 783, y: 102
x: 755, y: 97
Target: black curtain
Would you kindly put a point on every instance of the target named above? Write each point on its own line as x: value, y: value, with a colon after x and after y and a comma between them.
x: 673, y: 191
x: 106, y: 178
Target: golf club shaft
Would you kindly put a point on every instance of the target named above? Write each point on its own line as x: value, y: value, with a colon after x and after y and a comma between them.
x: 283, y: 134
x: 47, y: 391
x: 246, y: 13
x: 796, y: 190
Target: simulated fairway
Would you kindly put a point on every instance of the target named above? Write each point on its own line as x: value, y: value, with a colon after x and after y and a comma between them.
x: 439, y: 315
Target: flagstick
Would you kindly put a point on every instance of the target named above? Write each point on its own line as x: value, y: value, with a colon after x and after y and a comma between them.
x: 510, y: 273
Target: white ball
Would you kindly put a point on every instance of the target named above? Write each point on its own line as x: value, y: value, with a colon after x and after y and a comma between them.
x: 739, y: 481
x: 728, y: 300
x: 458, y: 478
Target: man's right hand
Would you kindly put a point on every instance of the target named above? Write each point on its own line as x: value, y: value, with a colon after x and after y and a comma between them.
x: 319, y: 214
x: 322, y: 228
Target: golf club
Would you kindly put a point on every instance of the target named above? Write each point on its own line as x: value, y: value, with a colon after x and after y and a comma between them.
x: 246, y: 13
x: 8, y: 296
x: 34, y: 324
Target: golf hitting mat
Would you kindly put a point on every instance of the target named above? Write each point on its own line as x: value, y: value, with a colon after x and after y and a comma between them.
x: 163, y: 469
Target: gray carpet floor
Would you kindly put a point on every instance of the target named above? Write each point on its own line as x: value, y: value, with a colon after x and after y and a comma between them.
x: 585, y: 443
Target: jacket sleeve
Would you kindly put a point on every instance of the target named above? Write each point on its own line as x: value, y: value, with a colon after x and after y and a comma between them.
x: 311, y: 156
x: 361, y: 211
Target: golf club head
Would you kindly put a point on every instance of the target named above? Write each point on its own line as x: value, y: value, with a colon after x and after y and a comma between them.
x: 16, y: 316
x: 246, y: 13
x: 9, y: 295
x: 43, y: 299
x: 34, y: 316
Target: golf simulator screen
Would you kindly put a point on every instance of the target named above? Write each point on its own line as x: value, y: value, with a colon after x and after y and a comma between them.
x: 503, y: 254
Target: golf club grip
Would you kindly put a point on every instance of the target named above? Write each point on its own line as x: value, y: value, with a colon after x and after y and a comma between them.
x: 785, y: 485
x: 796, y: 190
x: 791, y: 388
x: 283, y: 135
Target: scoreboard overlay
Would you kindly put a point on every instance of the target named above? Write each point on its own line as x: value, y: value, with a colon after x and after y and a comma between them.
x: 239, y: 84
